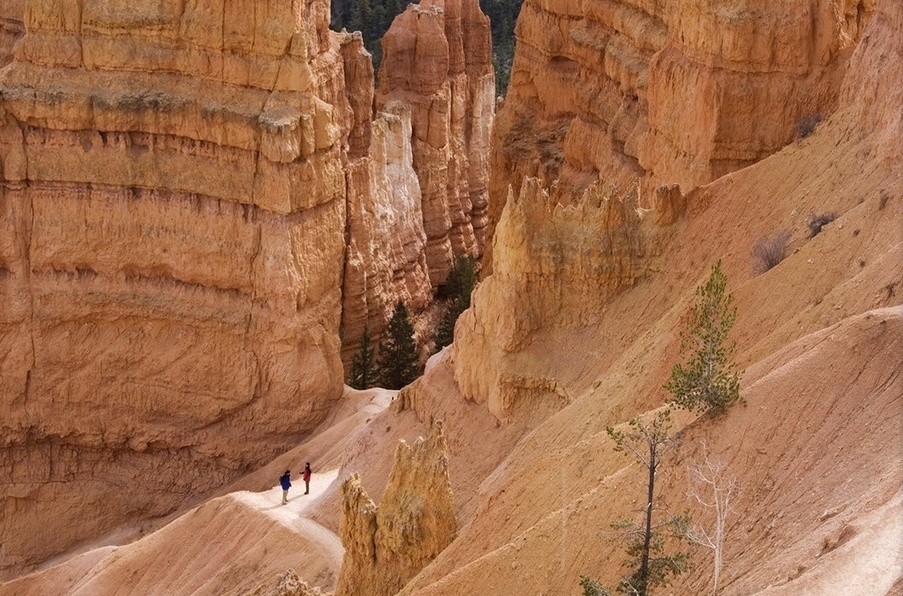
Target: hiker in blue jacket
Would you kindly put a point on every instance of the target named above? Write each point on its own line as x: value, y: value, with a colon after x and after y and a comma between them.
x: 286, y: 481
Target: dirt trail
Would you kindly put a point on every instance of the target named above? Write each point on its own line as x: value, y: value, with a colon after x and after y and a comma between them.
x: 238, y: 543
x: 293, y: 515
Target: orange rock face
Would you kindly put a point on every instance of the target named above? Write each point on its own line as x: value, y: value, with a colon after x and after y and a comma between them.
x: 665, y: 92
x: 173, y: 211
x: 11, y: 28
x: 419, y: 196
x: 194, y: 199
x: 555, y: 268
x: 387, y: 545
x: 437, y: 61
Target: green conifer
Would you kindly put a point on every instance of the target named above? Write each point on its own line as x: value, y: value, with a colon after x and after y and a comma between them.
x: 398, y: 358
x: 707, y: 380
x: 363, y: 367
x: 460, y: 283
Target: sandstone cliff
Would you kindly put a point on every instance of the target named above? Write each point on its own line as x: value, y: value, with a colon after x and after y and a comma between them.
x: 437, y: 61
x: 387, y: 545
x: 194, y: 205
x: 385, y: 259
x: 173, y: 207
x: 11, y: 28
x: 666, y: 92
x: 818, y: 335
x: 419, y: 196
x: 819, y: 339
x: 555, y: 268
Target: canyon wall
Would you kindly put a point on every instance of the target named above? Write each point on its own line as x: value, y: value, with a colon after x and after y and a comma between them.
x: 656, y: 97
x: 437, y: 59
x: 11, y: 28
x: 173, y: 211
x: 420, y: 196
x: 197, y: 202
x: 668, y: 93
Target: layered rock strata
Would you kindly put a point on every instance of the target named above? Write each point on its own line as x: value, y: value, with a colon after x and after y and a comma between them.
x: 387, y: 545
x: 173, y: 211
x: 385, y: 258
x: 437, y: 60
x: 671, y: 93
x: 196, y: 205
x: 419, y: 196
x: 555, y: 267
x: 11, y: 28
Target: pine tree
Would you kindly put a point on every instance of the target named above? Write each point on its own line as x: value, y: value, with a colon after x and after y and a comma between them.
x: 503, y: 18
x: 361, y: 18
x: 707, y: 380
x: 649, y: 563
x: 461, y: 279
x: 460, y: 283
x: 398, y: 358
x: 363, y: 368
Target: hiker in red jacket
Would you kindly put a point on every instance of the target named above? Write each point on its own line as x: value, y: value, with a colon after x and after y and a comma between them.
x: 306, y: 476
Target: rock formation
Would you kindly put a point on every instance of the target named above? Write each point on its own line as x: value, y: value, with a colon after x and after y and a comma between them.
x: 195, y: 205
x: 437, y: 60
x: 419, y: 196
x: 11, y: 28
x: 173, y: 207
x: 666, y: 92
x: 386, y: 545
x: 289, y: 584
x: 555, y: 267
x: 385, y: 260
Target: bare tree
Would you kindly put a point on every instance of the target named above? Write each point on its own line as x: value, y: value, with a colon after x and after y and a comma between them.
x: 718, y: 489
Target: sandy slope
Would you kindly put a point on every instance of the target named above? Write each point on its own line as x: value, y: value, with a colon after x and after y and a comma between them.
x: 809, y: 483
x: 227, y: 546
x: 236, y: 543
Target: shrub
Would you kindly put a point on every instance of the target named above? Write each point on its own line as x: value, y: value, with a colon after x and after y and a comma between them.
x: 817, y: 222
x: 592, y: 587
x: 807, y: 125
x: 771, y: 250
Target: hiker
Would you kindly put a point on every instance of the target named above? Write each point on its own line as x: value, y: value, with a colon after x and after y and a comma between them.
x: 306, y: 476
x: 286, y: 481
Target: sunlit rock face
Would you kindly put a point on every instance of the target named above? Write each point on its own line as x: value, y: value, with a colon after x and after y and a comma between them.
x: 201, y: 212
x: 555, y: 267
x: 387, y: 545
x: 173, y: 210
x: 664, y: 92
x: 437, y: 60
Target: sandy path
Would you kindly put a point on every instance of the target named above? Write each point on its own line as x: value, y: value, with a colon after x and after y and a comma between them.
x: 292, y: 515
